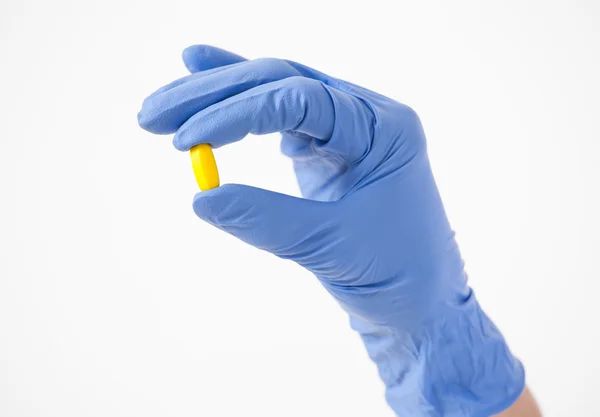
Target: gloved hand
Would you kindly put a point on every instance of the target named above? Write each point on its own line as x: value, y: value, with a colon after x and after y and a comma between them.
x: 372, y: 227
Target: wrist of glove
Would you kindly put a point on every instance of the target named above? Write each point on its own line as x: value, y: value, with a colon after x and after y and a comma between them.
x: 454, y: 364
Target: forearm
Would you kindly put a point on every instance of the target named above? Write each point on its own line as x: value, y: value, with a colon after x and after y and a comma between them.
x: 525, y: 406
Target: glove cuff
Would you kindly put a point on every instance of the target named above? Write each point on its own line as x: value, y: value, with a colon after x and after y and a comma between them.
x: 457, y: 365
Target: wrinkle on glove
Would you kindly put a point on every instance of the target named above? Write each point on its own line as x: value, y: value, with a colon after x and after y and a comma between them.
x: 371, y: 227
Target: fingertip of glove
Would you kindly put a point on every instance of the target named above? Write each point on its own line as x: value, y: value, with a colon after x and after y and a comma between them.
x: 186, y: 137
x: 212, y: 205
x: 144, y: 121
x: 177, y: 143
x: 192, y: 57
x: 147, y: 119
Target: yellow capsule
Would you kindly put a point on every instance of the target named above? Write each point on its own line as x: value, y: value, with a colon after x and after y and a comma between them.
x: 205, y: 167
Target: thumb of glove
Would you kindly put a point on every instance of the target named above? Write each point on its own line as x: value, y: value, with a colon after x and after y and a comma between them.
x: 289, y: 227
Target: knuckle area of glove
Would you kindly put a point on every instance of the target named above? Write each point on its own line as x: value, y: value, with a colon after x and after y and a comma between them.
x: 355, y: 128
x: 410, y: 128
x: 399, y: 134
x: 407, y: 115
x: 296, y: 92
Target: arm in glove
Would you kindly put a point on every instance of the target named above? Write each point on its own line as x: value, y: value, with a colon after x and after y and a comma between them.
x: 371, y: 227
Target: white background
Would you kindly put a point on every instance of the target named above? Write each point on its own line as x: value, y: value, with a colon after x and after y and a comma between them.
x: 115, y: 300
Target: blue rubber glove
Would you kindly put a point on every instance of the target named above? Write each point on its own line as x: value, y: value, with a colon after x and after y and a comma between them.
x: 372, y: 227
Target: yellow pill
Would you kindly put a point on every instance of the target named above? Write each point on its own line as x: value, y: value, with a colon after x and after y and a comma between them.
x: 205, y: 167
